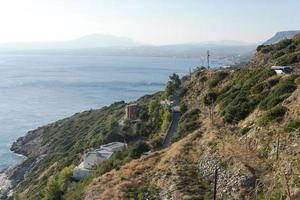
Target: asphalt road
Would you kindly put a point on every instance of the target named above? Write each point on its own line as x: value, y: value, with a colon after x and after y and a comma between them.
x: 173, y: 124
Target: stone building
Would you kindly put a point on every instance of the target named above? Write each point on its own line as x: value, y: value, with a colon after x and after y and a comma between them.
x: 132, y: 111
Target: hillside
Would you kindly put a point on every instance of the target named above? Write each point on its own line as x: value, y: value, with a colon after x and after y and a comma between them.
x: 247, y: 126
x: 286, y: 52
x: 280, y: 36
x: 244, y: 122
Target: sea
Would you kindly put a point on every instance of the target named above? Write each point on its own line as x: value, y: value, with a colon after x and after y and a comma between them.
x: 39, y: 89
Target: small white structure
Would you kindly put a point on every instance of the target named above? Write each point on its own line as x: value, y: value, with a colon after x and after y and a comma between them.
x: 175, y: 109
x: 95, y: 157
x: 166, y: 102
x: 114, y: 146
x: 281, y: 70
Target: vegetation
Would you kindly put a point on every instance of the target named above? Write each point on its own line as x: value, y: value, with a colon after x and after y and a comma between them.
x: 241, y: 96
x: 188, y: 123
x: 172, y: 84
x: 58, y: 185
x: 210, y: 98
x: 285, y: 52
x: 271, y: 116
x: 293, y: 125
x: 278, y: 93
x: 217, y: 78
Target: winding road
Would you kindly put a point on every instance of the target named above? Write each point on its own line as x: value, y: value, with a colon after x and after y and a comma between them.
x: 174, y: 122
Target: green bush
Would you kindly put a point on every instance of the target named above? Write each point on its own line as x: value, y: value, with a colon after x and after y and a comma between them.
x: 259, y: 47
x: 289, y: 59
x: 278, y: 94
x: 273, y: 115
x: 210, y: 98
x: 247, y: 89
x: 53, y: 190
x: 138, y: 149
x: 256, y: 89
x: 187, y: 124
x: 297, y: 80
x: 283, y: 44
x: 266, y: 49
x: 244, y: 130
x: 217, y: 78
x: 292, y: 126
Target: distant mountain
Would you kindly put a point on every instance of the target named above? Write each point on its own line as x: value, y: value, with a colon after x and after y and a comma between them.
x: 100, y: 40
x: 88, y: 41
x: 109, y: 45
x: 280, y: 36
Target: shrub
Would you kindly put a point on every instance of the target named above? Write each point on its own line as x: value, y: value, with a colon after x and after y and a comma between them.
x: 292, y: 126
x: 210, y: 98
x: 289, y: 59
x: 138, y: 149
x: 166, y: 118
x: 297, y: 80
x: 266, y: 49
x: 244, y: 130
x: 273, y: 115
x: 278, y: 54
x: 283, y: 44
x: 259, y: 47
x: 278, y: 94
x: 64, y: 177
x: 217, y: 78
x: 187, y: 124
x: 53, y: 190
x: 256, y: 89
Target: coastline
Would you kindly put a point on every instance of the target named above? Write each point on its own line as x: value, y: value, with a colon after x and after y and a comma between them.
x: 6, y: 187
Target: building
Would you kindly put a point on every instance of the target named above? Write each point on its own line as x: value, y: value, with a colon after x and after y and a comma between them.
x: 166, y: 102
x: 132, y: 111
x: 280, y: 70
x: 95, y: 157
x: 114, y: 146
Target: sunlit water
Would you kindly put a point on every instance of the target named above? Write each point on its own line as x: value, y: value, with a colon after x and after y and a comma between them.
x: 39, y: 89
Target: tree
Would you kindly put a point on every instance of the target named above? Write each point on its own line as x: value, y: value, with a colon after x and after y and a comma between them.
x: 53, y: 190
x: 139, y: 149
x: 175, y: 79
x: 64, y: 177
x: 166, y: 117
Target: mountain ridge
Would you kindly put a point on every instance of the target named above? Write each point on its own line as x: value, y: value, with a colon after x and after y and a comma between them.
x: 280, y: 36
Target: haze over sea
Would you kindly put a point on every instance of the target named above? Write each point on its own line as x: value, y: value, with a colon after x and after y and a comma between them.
x: 40, y: 89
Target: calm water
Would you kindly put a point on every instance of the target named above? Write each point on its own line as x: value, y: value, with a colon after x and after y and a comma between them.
x: 39, y: 89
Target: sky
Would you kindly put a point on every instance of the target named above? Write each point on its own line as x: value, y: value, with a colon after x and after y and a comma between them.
x: 147, y: 21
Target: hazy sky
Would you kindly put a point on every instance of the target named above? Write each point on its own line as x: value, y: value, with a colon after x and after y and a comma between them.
x: 149, y: 21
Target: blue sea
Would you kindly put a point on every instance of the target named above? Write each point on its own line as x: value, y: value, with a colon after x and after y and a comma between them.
x: 39, y: 89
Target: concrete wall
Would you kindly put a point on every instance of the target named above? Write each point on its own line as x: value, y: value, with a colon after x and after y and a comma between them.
x: 92, y: 159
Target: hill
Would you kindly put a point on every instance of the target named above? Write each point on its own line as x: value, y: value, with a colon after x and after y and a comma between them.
x: 243, y: 122
x: 281, y: 36
x: 285, y: 52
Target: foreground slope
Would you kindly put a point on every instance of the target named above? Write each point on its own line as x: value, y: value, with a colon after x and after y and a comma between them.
x: 246, y: 125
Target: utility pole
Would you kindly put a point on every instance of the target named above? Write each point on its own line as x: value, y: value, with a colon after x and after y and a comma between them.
x: 277, y: 146
x: 216, y: 182
x: 208, y: 55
